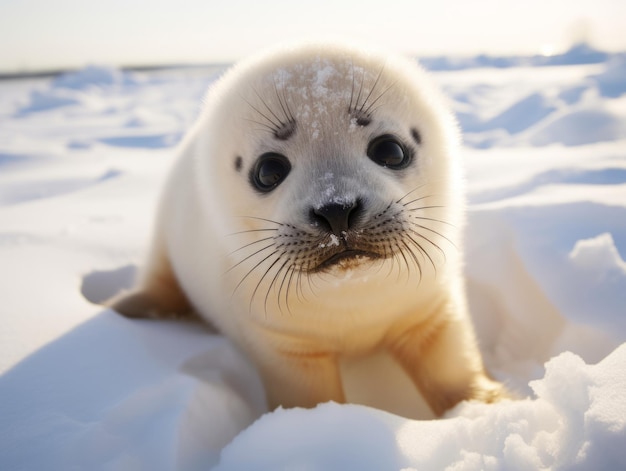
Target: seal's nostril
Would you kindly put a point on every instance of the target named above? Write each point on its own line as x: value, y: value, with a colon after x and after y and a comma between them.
x: 337, y: 217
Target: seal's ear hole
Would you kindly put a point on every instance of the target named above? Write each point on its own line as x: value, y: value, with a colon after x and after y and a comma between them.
x: 238, y: 163
x: 387, y: 151
x: 417, y: 137
x: 269, y: 171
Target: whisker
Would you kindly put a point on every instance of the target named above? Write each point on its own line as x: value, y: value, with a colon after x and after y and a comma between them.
x: 414, y: 257
x: 266, y: 220
x: 384, y: 210
x: 266, y: 126
x: 299, y: 287
x: 434, y: 232
x: 252, y: 269
x: 248, y: 257
x: 278, y: 272
x: 248, y: 231
x: 286, y: 101
x: 311, y: 279
x: 421, y: 236
x: 267, y: 107
x: 358, y: 98
x: 387, y: 254
x: 282, y: 101
x: 380, y: 73
x: 406, y: 262
x: 251, y: 243
x: 426, y: 207
x: 287, y: 290
x: 416, y: 200
x: 261, y: 281
x: 369, y: 109
x: 311, y: 284
x: 432, y: 219
x: 274, y: 126
x: 411, y: 192
x: 423, y: 251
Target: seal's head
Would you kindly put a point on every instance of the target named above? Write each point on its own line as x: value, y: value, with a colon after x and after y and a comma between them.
x: 338, y: 170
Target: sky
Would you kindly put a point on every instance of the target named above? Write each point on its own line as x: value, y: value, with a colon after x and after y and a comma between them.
x: 51, y: 34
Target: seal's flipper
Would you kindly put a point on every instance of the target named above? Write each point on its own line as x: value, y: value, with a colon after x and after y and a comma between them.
x: 138, y: 304
x: 158, y: 294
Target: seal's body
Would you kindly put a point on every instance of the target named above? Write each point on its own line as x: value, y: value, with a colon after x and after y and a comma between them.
x: 314, y: 213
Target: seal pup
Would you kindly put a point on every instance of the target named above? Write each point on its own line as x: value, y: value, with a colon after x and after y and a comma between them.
x: 315, y: 212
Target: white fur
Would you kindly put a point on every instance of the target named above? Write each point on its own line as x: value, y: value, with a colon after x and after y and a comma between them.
x: 296, y: 336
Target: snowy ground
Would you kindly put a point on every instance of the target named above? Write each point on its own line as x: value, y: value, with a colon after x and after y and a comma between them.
x: 81, y: 161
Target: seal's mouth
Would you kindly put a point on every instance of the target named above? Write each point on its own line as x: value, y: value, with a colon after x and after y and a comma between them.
x: 348, y: 258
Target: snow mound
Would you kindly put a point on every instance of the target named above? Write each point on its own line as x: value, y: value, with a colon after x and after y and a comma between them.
x: 598, y: 281
x: 44, y: 100
x: 143, y: 396
x: 578, y: 127
x: 598, y: 254
x: 612, y: 82
x: 576, y: 421
x: 523, y: 114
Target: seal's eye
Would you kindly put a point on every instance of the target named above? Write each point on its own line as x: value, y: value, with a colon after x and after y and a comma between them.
x: 388, y: 152
x: 269, y: 171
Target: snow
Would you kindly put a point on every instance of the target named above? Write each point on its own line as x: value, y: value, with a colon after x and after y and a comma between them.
x: 576, y: 421
x: 82, y: 158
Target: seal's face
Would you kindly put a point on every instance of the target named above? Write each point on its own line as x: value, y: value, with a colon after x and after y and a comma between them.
x: 341, y: 170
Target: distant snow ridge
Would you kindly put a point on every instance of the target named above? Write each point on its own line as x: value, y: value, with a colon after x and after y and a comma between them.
x: 81, y: 87
x: 114, y: 95
x: 578, y: 54
x: 94, y: 76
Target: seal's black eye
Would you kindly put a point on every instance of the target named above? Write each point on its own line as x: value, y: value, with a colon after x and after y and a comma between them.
x: 388, y: 152
x: 269, y: 171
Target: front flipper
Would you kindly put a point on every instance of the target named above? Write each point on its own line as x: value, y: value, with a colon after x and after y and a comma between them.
x: 296, y: 372
x: 146, y: 304
x: 157, y: 294
x: 442, y: 358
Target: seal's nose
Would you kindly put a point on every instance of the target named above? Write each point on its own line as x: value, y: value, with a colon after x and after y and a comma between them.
x: 337, y: 217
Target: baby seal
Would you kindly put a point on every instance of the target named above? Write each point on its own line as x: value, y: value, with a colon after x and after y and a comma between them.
x: 314, y: 213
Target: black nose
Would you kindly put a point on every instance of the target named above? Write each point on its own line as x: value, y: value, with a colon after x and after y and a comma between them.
x: 337, y: 217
